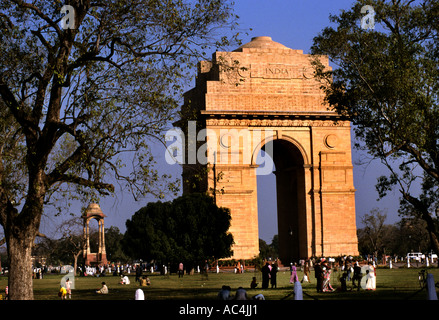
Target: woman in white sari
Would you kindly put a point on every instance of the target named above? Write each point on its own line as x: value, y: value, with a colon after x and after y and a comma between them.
x: 370, y: 278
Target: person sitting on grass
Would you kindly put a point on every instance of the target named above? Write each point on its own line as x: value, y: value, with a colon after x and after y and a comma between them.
x: 224, y: 293
x: 241, y: 294
x: 253, y: 284
x: 103, y: 290
x: 124, y: 279
x: 145, y: 281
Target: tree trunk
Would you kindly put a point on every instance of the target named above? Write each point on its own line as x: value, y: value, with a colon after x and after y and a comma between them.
x: 20, y: 272
x: 20, y: 232
x: 433, y: 233
x: 75, y: 262
x: 434, y: 243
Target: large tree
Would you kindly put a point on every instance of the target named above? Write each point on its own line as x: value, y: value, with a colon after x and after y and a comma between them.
x: 189, y: 229
x: 80, y: 86
x: 385, y: 80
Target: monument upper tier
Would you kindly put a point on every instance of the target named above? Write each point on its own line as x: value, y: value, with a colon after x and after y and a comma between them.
x: 260, y: 77
x: 262, y: 43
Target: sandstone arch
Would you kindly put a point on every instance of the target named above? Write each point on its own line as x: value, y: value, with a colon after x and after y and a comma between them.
x: 269, y: 95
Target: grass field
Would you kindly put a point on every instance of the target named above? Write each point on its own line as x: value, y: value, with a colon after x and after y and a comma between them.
x: 392, y: 284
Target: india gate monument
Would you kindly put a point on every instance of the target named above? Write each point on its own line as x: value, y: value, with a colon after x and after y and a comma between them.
x: 262, y: 98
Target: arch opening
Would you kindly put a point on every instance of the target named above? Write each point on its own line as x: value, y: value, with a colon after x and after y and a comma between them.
x: 290, y: 198
x: 93, y: 232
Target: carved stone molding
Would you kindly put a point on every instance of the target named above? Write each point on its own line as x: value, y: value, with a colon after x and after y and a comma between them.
x: 275, y: 123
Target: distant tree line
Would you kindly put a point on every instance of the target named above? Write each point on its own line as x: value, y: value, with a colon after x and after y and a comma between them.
x: 407, y: 235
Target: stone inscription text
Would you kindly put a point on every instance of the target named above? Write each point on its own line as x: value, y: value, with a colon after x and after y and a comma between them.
x: 276, y: 71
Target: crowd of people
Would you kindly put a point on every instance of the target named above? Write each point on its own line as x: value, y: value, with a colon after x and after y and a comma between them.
x: 361, y: 276
x: 269, y: 277
x: 346, y: 270
x: 144, y: 281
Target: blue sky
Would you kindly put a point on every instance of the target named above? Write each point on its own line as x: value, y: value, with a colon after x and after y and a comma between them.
x: 293, y: 23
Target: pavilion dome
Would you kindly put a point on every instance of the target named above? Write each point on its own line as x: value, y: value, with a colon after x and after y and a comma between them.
x: 93, y: 210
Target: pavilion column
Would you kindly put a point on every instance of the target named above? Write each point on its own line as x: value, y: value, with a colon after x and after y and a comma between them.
x: 102, y: 237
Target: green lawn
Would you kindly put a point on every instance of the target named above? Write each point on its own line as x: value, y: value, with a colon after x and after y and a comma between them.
x: 395, y: 284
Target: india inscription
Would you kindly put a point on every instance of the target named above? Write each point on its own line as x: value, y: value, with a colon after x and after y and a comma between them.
x: 275, y: 71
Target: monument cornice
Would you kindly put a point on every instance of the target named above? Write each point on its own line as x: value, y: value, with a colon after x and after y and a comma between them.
x: 274, y: 119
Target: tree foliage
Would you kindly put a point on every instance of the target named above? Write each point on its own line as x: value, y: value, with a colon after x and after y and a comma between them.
x: 269, y: 251
x: 386, y: 82
x: 378, y: 238
x: 75, y: 102
x: 113, y: 245
x: 374, y: 228
x: 189, y: 229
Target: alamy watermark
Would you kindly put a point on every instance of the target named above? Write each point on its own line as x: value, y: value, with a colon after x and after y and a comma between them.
x: 68, y: 20
x: 69, y: 276
x: 368, y: 21
x: 223, y: 146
